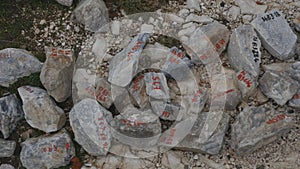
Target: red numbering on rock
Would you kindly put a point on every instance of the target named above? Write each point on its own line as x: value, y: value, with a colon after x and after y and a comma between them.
x: 60, y: 52
x: 102, y: 131
x: 156, y: 83
x: 169, y: 138
x: 223, y: 93
x: 134, y: 49
x: 241, y: 77
x: 166, y: 114
x: 4, y: 55
x: 28, y: 89
x: 53, y: 148
x: 277, y: 118
x: 208, y: 53
x: 101, y: 96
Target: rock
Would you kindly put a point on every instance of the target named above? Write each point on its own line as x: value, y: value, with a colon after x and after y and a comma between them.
x: 183, y: 13
x: 172, y: 159
x: 187, y: 31
x: 246, y: 83
x: 103, y: 92
x: 193, y: 4
x: 275, y: 33
x: 115, y: 27
x: 57, y: 72
x: 295, y: 101
x: 213, y: 41
x: 259, y: 97
x: 100, y: 47
x: 6, y: 166
x: 174, y: 18
x: 16, y: 63
x: 244, y: 50
x: 137, y: 128
x: 250, y: 7
x: 202, y: 138
x: 89, y: 122
x: 196, y: 18
x: 297, y: 23
x: 11, y: 113
x: 258, y: 126
x: 93, y: 14
x: 123, y: 67
x: 121, y: 98
x: 146, y: 28
x: 40, y: 110
x: 165, y: 111
x: 7, y: 148
x: 156, y: 86
x: 137, y: 89
x: 234, y: 12
x: 47, y: 151
x: 280, y: 88
x: 293, y: 70
x: 65, y: 2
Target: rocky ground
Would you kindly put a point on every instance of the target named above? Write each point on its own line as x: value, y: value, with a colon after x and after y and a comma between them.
x: 32, y: 25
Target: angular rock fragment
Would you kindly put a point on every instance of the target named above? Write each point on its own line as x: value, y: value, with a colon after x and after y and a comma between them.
x: 156, y: 86
x: 89, y: 122
x: 207, y: 42
x: 47, y: 151
x: 103, y: 92
x: 250, y: 7
x: 246, y: 83
x: 6, y: 166
x: 133, y: 127
x: 65, y: 2
x: 7, y: 148
x: 295, y: 101
x: 93, y: 14
x: 123, y: 67
x: 57, y: 72
x: 11, y: 113
x: 165, y: 111
x: 293, y: 70
x: 137, y: 89
x: 244, y: 50
x: 197, y: 141
x: 16, y: 63
x: 121, y: 98
x: 258, y: 126
x: 275, y: 33
x: 193, y: 4
x: 280, y: 88
x: 172, y: 159
x: 40, y: 110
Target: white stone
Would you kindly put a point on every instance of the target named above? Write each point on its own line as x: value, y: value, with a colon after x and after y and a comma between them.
x: 146, y: 28
x: 115, y: 27
x: 250, y: 7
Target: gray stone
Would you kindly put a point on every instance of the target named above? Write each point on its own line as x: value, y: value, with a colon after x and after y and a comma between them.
x: 193, y: 4
x: 250, y: 7
x: 16, y: 63
x: 280, y: 67
x: 89, y: 122
x: 57, y: 72
x: 123, y: 67
x: 40, y: 110
x: 246, y: 83
x: 207, y: 43
x: 297, y: 23
x: 7, y: 148
x: 196, y: 18
x: 156, y: 86
x: 234, y: 12
x: 172, y: 159
x: 65, y: 2
x: 49, y: 151
x: 165, y: 111
x: 93, y: 14
x: 293, y: 70
x: 11, y: 113
x: 197, y: 140
x: 121, y: 98
x: 258, y: 126
x: 275, y: 33
x: 137, y: 89
x: 103, y: 92
x: 278, y: 87
x: 6, y: 166
x: 134, y: 127
x: 295, y: 101
x: 244, y: 50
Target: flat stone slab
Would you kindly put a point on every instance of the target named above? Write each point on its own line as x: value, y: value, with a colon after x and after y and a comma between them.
x: 16, y: 63
x: 40, y: 110
x: 89, y: 122
x: 156, y: 86
x: 258, y: 126
x: 50, y: 151
x: 11, y: 113
x: 7, y: 148
x: 275, y: 33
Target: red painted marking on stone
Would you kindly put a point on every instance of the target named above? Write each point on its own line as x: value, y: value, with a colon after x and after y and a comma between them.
x: 166, y: 114
x: 241, y: 77
x: 67, y: 146
x: 277, y: 118
x: 296, y: 96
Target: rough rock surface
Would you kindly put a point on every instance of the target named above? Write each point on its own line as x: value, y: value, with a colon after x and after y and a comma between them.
x: 89, y: 122
x: 6, y: 166
x: 16, y: 63
x: 246, y: 83
x: 11, y: 113
x: 7, y: 148
x: 250, y: 7
x: 295, y: 101
x: 40, y: 110
x: 258, y: 126
x: 57, y: 72
x: 137, y: 89
x: 51, y: 151
x: 65, y: 2
x: 103, y: 92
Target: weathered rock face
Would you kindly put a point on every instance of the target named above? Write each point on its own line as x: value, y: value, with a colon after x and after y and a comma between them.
x: 206, y: 43
x: 244, y: 50
x: 16, y: 63
x: 137, y: 89
x: 246, y: 83
x: 40, y: 110
x: 275, y: 33
x: 156, y: 86
x: 295, y: 101
x: 11, y: 113
x: 250, y: 7
x: 65, y: 2
x: 89, y: 122
x: 197, y: 140
x: 280, y: 88
x: 103, y: 93
x: 7, y: 148
x: 165, y: 111
x: 258, y: 126
x: 93, y: 14
x: 134, y: 127
x: 123, y: 67
x: 6, y: 166
x: 47, y: 151
x: 57, y: 73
